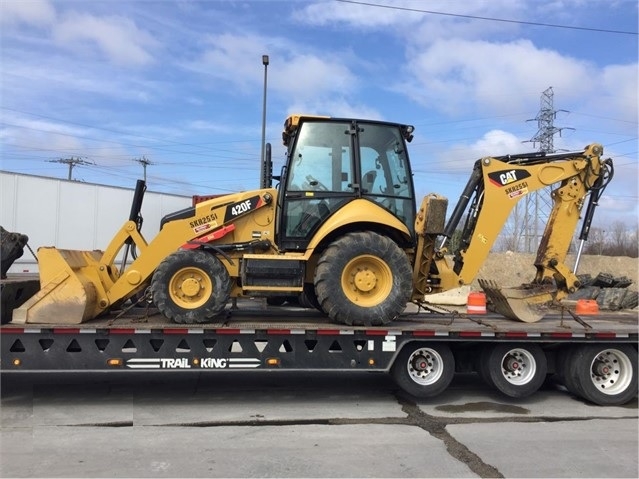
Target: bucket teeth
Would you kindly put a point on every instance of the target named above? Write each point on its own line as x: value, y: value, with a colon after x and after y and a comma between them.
x: 523, y: 303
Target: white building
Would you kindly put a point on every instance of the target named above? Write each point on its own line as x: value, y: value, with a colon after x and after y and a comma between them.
x: 72, y: 214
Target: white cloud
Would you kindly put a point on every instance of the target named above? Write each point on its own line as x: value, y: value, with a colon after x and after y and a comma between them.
x: 118, y: 38
x: 297, y: 74
x: 331, y: 13
x: 500, y: 77
x: 335, y: 107
x: 496, y: 143
x: 419, y: 23
x: 30, y: 12
x: 41, y: 138
x: 69, y: 79
x: 619, y: 86
x: 308, y: 75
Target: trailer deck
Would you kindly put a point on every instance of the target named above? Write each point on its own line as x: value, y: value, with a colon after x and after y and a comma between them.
x: 253, y: 333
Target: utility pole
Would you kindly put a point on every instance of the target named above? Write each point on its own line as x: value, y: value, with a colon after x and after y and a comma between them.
x: 263, y: 179
x: 539, y: 204
x: 144, y: 162
x: 72, y: 162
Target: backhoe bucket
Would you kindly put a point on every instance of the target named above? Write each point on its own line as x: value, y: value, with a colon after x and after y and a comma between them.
x: 68, y: 292
x: 523, y: 303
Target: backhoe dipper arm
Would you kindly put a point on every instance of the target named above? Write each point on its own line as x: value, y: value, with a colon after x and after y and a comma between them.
x: 568, y: 201
x: 506, y: 180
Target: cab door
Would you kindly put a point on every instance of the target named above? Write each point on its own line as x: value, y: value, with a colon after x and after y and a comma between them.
x: 318, y: 181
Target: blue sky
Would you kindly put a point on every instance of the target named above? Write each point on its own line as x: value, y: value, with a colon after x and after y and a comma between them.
x: 180, y: 83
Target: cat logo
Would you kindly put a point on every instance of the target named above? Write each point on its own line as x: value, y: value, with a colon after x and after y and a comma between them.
x: 505, y: 177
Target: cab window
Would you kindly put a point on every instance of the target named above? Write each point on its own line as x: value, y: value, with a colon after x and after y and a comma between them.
x: 385, y: 175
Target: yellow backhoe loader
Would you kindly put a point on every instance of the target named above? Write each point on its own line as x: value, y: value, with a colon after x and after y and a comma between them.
x: 341, y: 228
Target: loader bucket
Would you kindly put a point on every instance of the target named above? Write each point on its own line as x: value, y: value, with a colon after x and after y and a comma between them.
x: 68, y: 292
x: 522, y: 303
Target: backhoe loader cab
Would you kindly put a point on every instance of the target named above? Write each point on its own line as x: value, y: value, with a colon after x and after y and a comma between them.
x: 332, y: 163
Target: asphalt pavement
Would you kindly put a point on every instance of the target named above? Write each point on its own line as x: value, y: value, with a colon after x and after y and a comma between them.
x: 292, y: 424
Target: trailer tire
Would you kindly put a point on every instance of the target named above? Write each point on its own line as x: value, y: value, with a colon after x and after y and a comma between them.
x: 191, y: 286
x: 564, y: 365
x: 606, y: 375
x: 424, y: 370
x: 363, y: 279
x: 516, y: 370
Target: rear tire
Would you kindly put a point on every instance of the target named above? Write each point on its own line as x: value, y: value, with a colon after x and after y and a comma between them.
x: 516, y: 370
x: 363, y: 279
x: 605, y: 374
x: 424, y: 370
x: 276, y: 300
x: 191, y: 286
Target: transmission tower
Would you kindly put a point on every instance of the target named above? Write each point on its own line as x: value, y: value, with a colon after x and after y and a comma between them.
x: 72, y: 162
x: 538, y: 205
x: 144, y: 162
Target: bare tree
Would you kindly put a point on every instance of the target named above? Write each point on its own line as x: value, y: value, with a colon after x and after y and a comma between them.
x: 596, y: 241
x: 618, y: 239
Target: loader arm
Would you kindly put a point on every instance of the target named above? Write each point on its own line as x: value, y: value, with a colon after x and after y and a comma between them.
x: 81, y: 285
x: 200, y: 222
x: 496, y: 185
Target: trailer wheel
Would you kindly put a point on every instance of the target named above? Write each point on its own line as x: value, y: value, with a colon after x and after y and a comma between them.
x: 424, y: 370
x: 363, y: 279
x: 191, y: 286
x: 564, y: 365
x: 516, y: 370
x: 605, y: 374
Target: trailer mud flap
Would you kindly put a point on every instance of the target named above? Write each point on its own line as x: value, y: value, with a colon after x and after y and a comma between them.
x: 68, y: 292
x: 526, y: 304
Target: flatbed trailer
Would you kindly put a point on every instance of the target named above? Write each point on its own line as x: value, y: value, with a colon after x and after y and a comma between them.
x: 594, y: 356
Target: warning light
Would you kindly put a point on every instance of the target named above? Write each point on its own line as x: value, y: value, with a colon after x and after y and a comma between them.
x: 371, y: 362
x: 115, y: 362
x: 273, y: 362
x: 196, y: 361
x: 16, y: 362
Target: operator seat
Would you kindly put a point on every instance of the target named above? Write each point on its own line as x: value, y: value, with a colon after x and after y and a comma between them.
x: 368, y: 181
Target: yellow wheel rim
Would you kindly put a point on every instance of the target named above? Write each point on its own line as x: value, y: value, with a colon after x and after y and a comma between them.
x: 367, y: 280
x: 190, y: 287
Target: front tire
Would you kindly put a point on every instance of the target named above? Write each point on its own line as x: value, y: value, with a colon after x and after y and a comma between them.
x: 516, y: 370
x: 363, y: 279
x: 424, y: 370
x: 191, y: 286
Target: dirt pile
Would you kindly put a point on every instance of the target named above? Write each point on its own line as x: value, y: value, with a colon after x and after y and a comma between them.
x: 513, y: 269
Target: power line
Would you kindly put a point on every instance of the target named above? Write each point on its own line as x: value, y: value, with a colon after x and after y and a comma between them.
x: 491, y: 19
